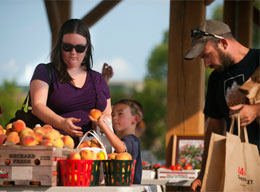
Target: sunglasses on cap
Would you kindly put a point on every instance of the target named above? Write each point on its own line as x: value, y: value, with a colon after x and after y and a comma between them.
x: 68, y: 47
x: 196, y: 33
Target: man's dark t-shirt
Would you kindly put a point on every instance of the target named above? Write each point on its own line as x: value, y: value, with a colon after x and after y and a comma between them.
x: 223, y: 92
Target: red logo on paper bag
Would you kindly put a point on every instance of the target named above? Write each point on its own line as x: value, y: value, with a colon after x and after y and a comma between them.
x: 242, y: 176
x: 241, y: 171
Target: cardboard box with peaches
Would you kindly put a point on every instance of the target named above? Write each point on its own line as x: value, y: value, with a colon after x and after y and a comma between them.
x: 17, y: 133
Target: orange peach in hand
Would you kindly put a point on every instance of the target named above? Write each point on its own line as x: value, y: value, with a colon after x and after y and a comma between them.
x: 95, y: 113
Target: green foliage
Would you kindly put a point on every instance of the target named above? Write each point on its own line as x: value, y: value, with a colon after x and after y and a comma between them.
x: 11, y: 98
x: 218, y: 12
x: 158, y: 61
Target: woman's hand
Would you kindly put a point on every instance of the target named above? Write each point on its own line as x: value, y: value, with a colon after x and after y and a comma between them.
x: 70, y: 128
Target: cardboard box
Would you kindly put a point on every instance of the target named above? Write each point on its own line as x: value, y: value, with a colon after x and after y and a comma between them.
x: 175, y: 176
x: 30, y: 165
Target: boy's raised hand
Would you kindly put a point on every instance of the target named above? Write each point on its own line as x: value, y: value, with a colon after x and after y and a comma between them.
x: 99, y: 122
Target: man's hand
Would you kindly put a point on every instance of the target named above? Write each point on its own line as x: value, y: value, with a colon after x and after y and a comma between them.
x: 248, y: 113
x: 195, y: 184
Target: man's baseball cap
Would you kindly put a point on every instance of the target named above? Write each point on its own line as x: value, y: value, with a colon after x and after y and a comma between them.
x: 208, y: 29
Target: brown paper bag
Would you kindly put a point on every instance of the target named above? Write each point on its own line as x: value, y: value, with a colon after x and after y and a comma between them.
x: 251, y: 89
x: 232, y: 165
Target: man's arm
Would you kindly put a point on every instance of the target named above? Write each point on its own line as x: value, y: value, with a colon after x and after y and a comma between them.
x: 215, y: 126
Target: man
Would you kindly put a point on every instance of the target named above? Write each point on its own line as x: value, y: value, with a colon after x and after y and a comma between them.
x: 233, y: 64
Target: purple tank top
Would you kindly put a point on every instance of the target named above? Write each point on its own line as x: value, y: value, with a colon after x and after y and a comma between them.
x: 69, y: 101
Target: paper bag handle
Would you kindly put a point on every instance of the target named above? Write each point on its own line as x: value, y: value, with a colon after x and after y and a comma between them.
x: 95, y: 135
x: 234, y: 117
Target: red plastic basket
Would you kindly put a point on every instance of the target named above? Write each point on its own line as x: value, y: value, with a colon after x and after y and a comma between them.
x: 75, y: 172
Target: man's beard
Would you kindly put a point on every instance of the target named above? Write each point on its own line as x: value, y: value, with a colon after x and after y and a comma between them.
x: 226, y: 61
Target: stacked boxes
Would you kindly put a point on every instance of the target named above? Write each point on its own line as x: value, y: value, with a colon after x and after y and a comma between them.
x: 30, y: 165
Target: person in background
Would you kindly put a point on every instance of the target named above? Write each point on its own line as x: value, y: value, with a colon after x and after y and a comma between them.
x: 75, y: 89
x: 233, y: 64
x: 126, y: 114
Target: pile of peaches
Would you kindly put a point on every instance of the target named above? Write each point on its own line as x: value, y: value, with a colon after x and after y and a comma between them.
x: 18, y: 133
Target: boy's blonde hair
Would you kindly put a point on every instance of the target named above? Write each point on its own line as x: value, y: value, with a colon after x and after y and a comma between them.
x: 135, y: 106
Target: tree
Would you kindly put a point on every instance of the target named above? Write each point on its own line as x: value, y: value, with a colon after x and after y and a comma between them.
x: 11, y: 98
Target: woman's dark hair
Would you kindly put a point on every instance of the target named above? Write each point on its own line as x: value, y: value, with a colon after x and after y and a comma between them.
x: 71, y: 26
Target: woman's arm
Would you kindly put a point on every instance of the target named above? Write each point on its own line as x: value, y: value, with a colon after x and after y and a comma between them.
x: 39, y: 95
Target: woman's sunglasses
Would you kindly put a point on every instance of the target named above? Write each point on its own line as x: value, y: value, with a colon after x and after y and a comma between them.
x: 68, y: 47
x: 195, y: 33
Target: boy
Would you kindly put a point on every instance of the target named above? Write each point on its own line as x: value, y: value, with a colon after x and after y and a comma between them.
x: 126, y: 114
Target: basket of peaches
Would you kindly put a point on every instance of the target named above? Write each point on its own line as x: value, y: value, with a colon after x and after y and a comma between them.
x: 119, y: 169
x: 82, y: 167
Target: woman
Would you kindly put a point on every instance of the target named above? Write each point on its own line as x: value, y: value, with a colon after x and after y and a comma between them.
x: 75, y: 88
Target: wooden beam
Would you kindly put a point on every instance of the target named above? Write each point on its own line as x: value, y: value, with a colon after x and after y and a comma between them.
x: 58, y: 12
x: 239, y: 16
x: 185, y: 91
x: 256, y: 16
x: 99, y: 11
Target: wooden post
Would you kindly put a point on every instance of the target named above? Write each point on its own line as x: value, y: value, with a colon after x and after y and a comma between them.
x: 239, y: 16
x: 58, y: 12
x: 185, y: 92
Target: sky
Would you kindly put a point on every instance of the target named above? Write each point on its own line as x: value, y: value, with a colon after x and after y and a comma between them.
x: 124, y: 38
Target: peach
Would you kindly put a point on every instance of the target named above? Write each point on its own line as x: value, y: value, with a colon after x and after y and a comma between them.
x: 8, y: 131
x: 26, y: 132
x: 111, y: 156
x: 2, y: 139
x: 124, y: 156
x: 18, y: 125
x: 95, y: 143
x: 39, y: 130
x: 88, y: 154
x: 1, y: 130
x: 82, y: 145
x: 38, y: 136
x: 46, y: 142
x: 74, y: 156
x: 56, y: 133
x: 13, y: 137
x: 68, y: 141
x: 8, y: 126
x: 48, y: 128
x: 58, y: 143
x: 101, y: 155
x: 50, y: 136
x: 28, y: 141
x: 95, y: 113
